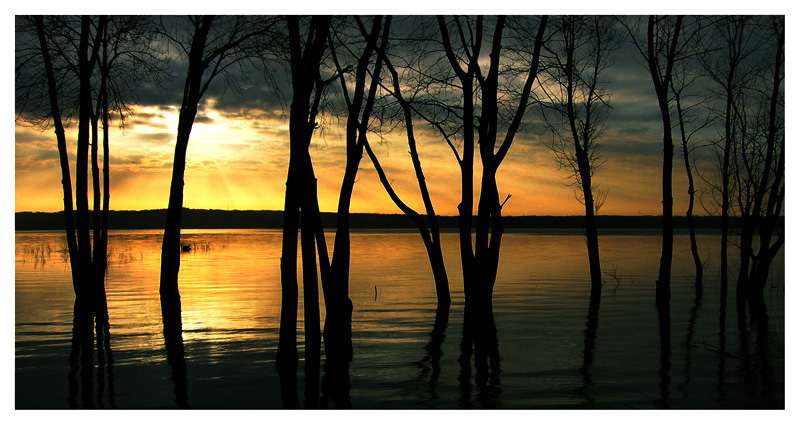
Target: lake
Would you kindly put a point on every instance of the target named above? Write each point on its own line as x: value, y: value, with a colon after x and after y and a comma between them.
x: 554, y: 350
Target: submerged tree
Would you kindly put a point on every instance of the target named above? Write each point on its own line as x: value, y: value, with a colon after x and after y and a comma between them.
x: 358, y: 93
x: 212, y: 46
x: 685, y: 135
x: 577, y: 53
x: 430, y: 233
x: 84, y: 69
x: 473, y: 101
x: 305, y: 55
x: 729, y: 66
x: 661, y: 46
x: 759, y: 166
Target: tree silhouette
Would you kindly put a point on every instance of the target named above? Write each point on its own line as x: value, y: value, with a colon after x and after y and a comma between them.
x: 661, y: 46
x: 577, y: 54
x: 359, y: 103
x: 212, y: 46
x: 729, y: 67
x: 83, y: 69
x: 431, y: 237
x: 684, y: 120
x: 471, y: 104
x: 760, y: 163
x: 304, y: 60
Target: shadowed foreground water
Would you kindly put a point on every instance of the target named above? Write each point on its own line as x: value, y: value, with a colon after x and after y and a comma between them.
x: 552, y: 346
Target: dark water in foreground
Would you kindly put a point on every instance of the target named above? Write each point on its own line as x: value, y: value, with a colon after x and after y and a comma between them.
x: 554, y: 350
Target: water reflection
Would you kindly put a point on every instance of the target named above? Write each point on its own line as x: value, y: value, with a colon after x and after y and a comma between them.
x: 689, y: 344
x: 311, y: 370
x: 479, y: 340
x: 176, y: 356
x: 555, y: 354
x: 757, y: 377
x: 287, y: 375
x: 430, y: 365
x: 336, y: 383
x: 665, y: 344
x: 81, y: 361
x: 589, y: 341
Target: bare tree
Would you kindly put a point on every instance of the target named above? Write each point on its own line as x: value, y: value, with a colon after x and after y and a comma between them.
x: 359, y: 90
x: 84, y: 69
x: 431, y: 236
x: 662, y: 45
x: 685, y: 115
x: 729, y: 65
x: 759, y: 165
x: 472, y: 94
x: 212, y: 46
x: 577, y: 53
x: 304, y: 60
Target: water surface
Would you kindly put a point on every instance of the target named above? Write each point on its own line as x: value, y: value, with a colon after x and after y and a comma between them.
x: 555, y: 349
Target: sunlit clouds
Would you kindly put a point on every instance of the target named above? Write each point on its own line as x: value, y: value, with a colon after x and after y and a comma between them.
x: 238, y: 158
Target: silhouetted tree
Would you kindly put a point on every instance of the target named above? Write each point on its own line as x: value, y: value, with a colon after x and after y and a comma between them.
x: 661, y: 45
x: 759, y: 148
x: 64, y: 61
x: 729, y: 66
x: 212, y: 46
x: 685, y: 136
x: 470, y: 100
x: 358, y: 93
x: 430, y: 236
x: 684, y: 86
x: 305, y: 54
x: 577, y: 53
x: 83, y: 69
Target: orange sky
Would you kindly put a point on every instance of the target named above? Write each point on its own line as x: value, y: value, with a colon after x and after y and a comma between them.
x: 238, y: 157
x: 240, y: 163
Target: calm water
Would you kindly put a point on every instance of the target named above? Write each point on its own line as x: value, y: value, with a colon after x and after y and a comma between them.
x: 553, y: 353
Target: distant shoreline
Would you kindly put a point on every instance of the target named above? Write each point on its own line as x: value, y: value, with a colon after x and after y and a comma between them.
x: 256, y: 219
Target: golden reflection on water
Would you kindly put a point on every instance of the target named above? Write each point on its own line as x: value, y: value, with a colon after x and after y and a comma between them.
x: 230, y: 293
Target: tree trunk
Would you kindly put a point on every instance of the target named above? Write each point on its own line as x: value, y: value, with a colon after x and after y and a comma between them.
x: 287, y: 341
x: 661, y: 84
x: 592, y: 238
x: 66, y: 176
x: 310, y: 288
x: 170, y: 247
x: 698, y: 264
x: 430, y: 239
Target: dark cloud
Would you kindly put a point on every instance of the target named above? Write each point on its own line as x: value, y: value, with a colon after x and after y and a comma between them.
x: 203, y: 119
x: 616, y: 148
x: 156, y: 138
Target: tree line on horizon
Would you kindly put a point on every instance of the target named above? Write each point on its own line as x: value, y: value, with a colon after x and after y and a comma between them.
x: 477, y: 82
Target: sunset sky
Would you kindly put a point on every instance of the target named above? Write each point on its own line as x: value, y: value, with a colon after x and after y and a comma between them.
x: 238, y: 157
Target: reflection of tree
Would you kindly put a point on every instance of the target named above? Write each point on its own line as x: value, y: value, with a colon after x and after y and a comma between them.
x: 336, y: 383
x: 665, y: 362
x: 173, y: 341
x: 82, y: 367
x: 589, y: 343
x: 689, y: 344
x: 83, y: 69
x: 755, y: 365
x: 578, y: 52
x: 479, y: 341
x: 430, y: 366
